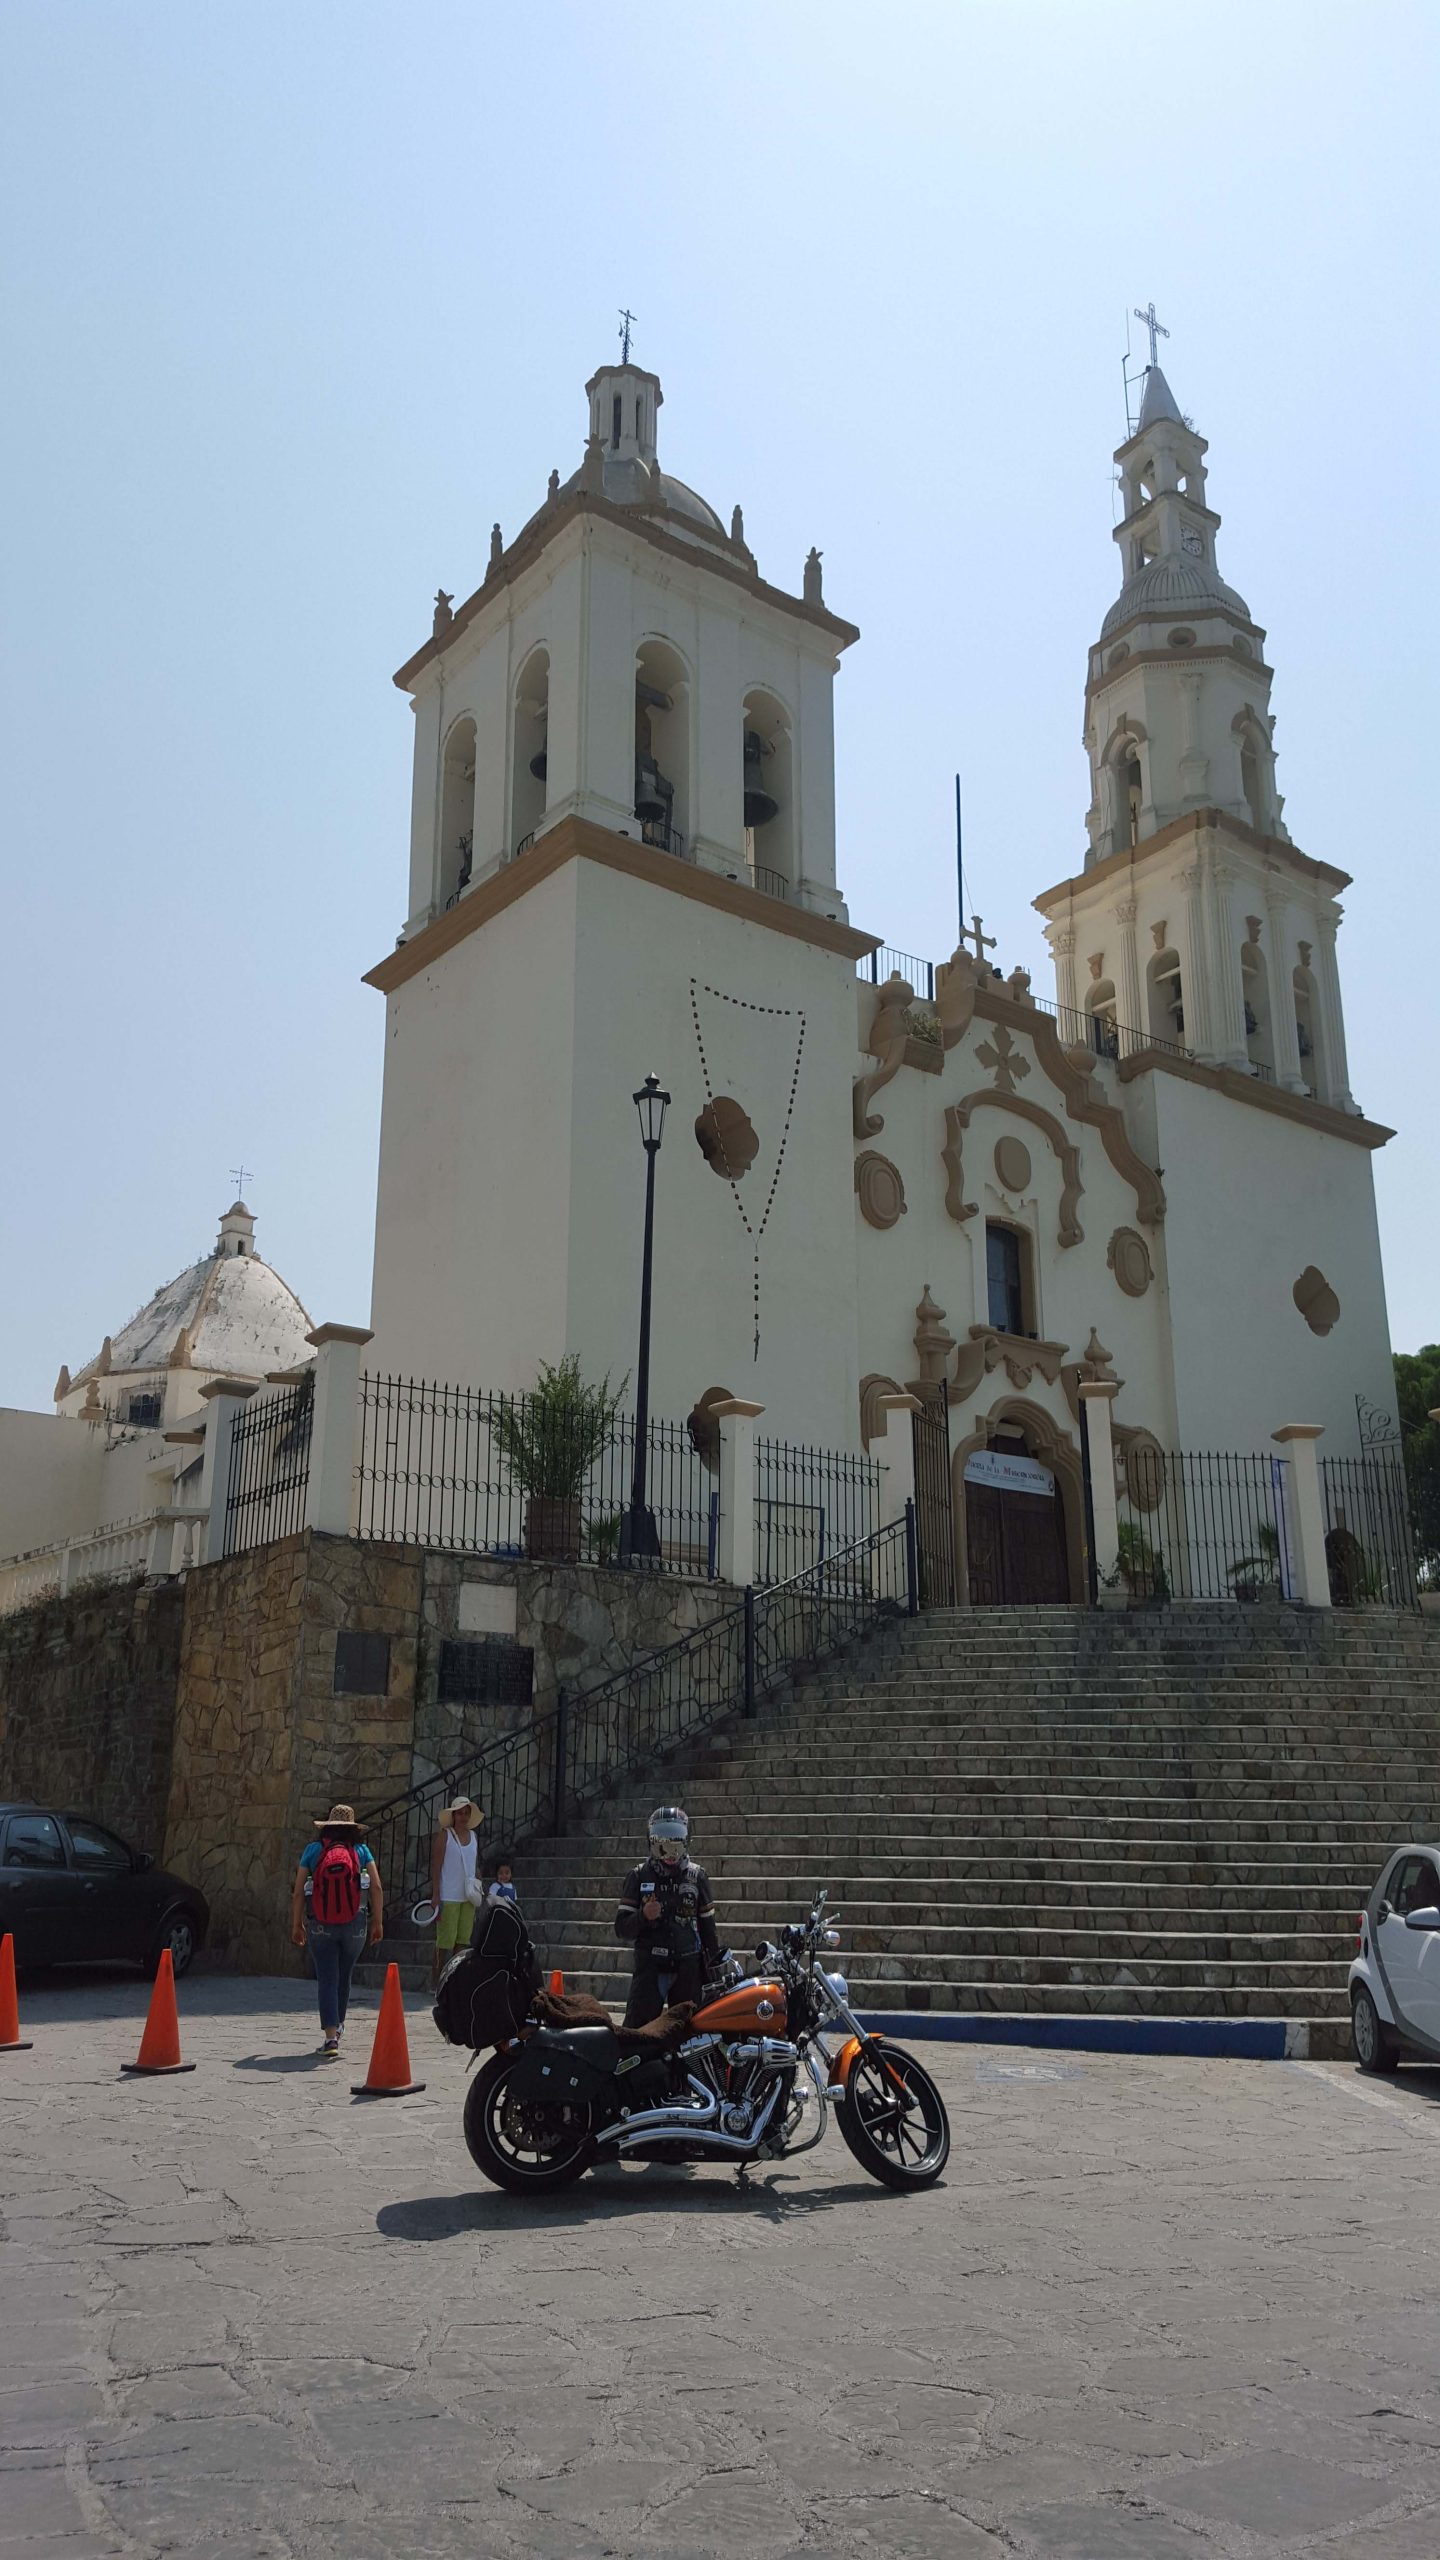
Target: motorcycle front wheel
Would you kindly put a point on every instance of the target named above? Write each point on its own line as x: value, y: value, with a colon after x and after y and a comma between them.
x: 527, y: 2146
x: 893, y: 2118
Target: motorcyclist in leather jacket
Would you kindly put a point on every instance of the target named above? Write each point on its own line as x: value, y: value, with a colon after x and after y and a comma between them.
x: 667, y: 1913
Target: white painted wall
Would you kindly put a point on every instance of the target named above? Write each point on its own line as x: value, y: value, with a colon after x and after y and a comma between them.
x: 58, y: 1480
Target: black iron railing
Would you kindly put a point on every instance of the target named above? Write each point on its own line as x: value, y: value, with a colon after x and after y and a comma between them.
x: 432, y: 1471
x: 808, y: 1504
x: 665, y: 839
x: 1369, y: 1534
x: 269, y: 1466
x: 534, y: 1781
x: 523, y: 846
x: 1102, y: 1033
x: 771, y: 884
x: 888, y: 963
x: 1206, y: 1526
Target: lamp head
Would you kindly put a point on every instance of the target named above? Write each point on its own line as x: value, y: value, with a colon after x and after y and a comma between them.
x: 651, y: 1104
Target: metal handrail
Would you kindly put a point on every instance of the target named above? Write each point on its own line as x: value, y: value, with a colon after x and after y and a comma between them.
x: 771, y: 884
x: 529, y: 1781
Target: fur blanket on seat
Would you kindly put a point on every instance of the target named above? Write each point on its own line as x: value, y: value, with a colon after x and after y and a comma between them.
x: 578, y: 2009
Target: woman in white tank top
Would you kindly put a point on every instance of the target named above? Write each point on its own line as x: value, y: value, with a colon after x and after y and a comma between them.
x: 452, y: 1873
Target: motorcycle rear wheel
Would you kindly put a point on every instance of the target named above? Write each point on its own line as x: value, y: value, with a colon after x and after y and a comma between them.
x: 539, y: 2148
x: 900, y: 2135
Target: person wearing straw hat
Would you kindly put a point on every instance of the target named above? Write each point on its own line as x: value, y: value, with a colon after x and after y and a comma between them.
x: 452, y: 1877
x: 337, y: 1903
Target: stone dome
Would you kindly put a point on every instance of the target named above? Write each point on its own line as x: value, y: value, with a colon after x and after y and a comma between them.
x: 629, y: 483
x: 1169, y: 585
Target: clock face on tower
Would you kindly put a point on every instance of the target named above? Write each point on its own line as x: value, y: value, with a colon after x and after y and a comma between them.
x: 1193, y: 542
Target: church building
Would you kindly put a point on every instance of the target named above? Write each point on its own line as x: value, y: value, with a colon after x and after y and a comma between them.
x: 929, y: 1177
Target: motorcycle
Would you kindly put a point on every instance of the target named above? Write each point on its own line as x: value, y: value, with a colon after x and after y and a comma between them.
x: 749, y: 2077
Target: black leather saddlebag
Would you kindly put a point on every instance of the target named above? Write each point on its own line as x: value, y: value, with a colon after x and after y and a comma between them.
x: 570, y: 2066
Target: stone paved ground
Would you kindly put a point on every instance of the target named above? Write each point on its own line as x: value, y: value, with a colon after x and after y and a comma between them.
x: 1160, y: 2310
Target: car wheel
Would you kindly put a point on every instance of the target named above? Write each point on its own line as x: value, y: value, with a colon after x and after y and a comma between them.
x: 1372, y: 2044
x: 178, y: 1933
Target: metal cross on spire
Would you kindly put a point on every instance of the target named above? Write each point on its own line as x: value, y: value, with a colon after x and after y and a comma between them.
x: 240, y: 1174
x: 1156, y: 327
x: 983, y: 941
x: 627, y: 323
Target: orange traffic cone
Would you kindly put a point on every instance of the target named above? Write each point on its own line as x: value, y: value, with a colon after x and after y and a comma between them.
x: 160, y: 2044
x: 11, y: 2040
x: 389, y: 2072
x: 557, y: 1984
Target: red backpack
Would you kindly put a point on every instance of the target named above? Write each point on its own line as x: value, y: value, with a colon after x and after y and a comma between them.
x: 335, y: 1896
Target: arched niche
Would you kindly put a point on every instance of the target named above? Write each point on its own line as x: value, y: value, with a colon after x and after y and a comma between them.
x: 1308, y: 1031
x: 769, y: 784
x: 529, y: 755
x: 457, y: 811
x: 1027, y: 1426
x: 1102, y: 1024
x: 1257, y: 770
x: 1124, y: 786
x: 957, y: 1121
x: 663, y: 696
x: 1165, y: 996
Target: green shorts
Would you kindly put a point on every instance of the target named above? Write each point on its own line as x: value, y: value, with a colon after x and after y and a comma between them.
x: 454, y: 1924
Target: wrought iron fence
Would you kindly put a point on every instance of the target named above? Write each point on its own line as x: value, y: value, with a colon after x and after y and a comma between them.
x: 887, y: 963
x: 1369, y: 1539
x: 1206, y: 1526
x: 532, y: 1781
x: 1102, y: 1033
x: 771, y: 884
x: 433, y: 1471
x: 269, y: 1466
x: 808, y: 1504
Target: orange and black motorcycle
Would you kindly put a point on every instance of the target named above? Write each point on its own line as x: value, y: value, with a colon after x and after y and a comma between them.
x: 749, y: 2077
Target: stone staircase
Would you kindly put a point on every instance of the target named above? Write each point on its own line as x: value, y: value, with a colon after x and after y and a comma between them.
x: 1174, y: 1813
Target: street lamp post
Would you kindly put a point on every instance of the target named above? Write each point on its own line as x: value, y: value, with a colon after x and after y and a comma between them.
x: 639, y: 1538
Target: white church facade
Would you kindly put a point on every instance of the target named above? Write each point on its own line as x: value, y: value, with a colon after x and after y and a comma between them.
x: 623, y: 860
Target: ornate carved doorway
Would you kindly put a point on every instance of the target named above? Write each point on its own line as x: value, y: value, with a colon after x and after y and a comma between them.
x: 1015, y: 1531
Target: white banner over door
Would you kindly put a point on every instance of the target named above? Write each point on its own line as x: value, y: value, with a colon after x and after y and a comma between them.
x: 1017, y: 1474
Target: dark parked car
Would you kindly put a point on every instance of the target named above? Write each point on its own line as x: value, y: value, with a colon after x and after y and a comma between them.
x: 73, y: 1893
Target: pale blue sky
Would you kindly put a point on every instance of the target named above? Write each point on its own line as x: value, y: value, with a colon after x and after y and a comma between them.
x: 298, y: 299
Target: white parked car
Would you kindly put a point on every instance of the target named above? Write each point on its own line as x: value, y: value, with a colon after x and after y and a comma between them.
x: 1395, y: 1976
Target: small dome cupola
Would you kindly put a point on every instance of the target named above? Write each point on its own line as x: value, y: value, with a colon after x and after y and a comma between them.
x: 624, y: 411
x: 237, y: 1231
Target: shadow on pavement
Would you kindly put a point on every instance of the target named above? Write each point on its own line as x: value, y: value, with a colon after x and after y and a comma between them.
x: 446, y: 2217
x: 90, y: 1991
x: 1416, y: 2082
x: 281, y: 2062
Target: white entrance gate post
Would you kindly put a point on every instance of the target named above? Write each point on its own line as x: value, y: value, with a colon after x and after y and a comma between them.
x: 735, y: 1540
x: 1098, y: 1396
x: 224, y: 1397
x: 1306, y: 1510
x: 897, y: 1457
x: 330, y: 1488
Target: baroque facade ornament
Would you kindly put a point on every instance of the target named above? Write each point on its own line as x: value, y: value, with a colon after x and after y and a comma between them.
x: 1128, y: 1256
x: 1012, y: 1164
x: 1316, y: 1300
x: 1004, y: 1061
x: 880, y: 1191
x: 957, y: 1121
x: 886, y: 1042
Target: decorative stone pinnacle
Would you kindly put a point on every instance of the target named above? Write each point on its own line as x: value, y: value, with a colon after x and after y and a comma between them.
x: 813, y: 589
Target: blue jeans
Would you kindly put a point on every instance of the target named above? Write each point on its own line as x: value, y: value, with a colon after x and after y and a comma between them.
x: 334, y: 1946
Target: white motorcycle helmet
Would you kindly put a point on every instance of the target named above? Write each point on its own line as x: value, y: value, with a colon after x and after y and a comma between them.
x: 669, y: 1832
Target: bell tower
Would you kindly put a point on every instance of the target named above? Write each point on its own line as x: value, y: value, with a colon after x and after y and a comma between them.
x: 622, y: 860
x: 1196, y: 922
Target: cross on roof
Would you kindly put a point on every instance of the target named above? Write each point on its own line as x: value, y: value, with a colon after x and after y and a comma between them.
x: 1156, y: 327
x: 983, y: 941
x: 240, y: 1174
x: 627, y: 323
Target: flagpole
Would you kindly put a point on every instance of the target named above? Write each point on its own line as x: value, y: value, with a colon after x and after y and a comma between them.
x: 959, y: 858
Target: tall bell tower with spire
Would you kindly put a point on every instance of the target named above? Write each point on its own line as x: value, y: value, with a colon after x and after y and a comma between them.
x: 1195, y: 920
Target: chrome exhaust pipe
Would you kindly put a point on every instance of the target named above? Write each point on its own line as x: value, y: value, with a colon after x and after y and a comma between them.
x: 667, y: 2119
x: 728, y: 2144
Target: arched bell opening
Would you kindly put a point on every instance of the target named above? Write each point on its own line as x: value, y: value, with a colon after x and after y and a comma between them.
x: 1018, y: 1503
x: 1308, y: 1034
x: 457, y: 811
x: 1166, y: 996
x: 769, y: 812
x: 1257, y: 771
x: 1255, y: 989
x: 662, y: 746
x: 529, y: 758
x: 1103, y: 1023
x: 1123, y: 787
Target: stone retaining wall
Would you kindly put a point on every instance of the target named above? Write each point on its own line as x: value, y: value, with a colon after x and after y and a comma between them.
x: 87, y: 1704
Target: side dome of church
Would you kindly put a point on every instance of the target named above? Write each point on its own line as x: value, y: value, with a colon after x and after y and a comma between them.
x: 229, y: 1315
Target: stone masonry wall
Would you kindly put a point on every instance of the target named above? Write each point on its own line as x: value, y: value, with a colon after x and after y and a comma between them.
x: 580, y: 1620
x: 263, y: 1744
x: 87, y: 1704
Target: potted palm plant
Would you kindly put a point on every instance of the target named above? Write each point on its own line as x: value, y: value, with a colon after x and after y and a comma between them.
x: 1141, y: 1567
x: 550, y: 1440
x: 1257, y: 1577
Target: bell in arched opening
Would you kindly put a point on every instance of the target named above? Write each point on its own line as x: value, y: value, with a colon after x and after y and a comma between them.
x: 760, y: 805
x: 538, y: 762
